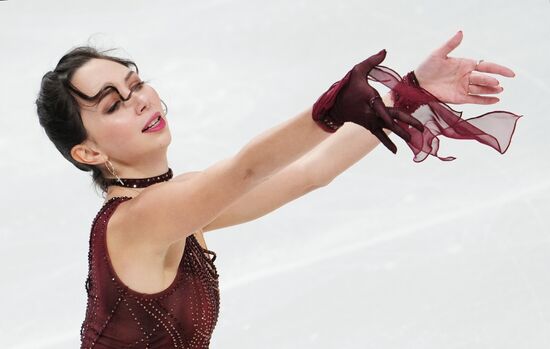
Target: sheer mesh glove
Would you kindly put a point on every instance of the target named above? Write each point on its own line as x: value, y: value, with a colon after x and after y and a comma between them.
x: 353, y: 99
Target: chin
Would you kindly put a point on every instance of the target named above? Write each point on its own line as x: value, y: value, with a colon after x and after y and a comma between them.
x: 166, y: 139
x: 169, y: 135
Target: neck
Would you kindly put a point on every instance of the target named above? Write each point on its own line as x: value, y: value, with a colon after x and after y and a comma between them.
x: 145, y: 169
x: 136, y: 171
x: 114, y: 190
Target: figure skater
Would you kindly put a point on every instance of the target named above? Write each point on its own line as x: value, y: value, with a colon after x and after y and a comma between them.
x: 152, y: 282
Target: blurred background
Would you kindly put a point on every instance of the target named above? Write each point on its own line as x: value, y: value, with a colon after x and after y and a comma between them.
x: 439, y: 254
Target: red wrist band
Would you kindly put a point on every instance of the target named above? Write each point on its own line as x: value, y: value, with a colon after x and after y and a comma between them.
x: 494, y: 129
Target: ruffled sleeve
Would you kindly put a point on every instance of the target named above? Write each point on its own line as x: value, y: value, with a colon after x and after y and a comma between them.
x: 494, y: 129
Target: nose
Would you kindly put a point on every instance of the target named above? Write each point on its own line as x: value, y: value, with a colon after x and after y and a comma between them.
x: 142, y: 103
x: 141, y: 100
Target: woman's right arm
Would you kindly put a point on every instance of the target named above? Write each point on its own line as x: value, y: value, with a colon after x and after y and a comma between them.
x: 165, y: 213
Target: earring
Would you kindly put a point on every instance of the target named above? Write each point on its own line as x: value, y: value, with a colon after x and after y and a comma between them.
x: 165, y: 107
x: 113, y: 171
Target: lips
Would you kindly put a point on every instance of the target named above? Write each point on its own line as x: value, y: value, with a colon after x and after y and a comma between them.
x: 152, y: 120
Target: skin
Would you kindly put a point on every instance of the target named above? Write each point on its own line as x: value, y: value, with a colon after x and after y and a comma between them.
x: 445, y: 77
x: 118, y: 137
x: 460, y: 80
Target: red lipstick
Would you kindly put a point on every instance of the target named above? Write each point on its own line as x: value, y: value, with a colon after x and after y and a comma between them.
x: 155, y: 121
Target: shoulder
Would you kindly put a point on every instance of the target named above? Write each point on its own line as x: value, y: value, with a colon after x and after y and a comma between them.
x: 126, y: 204
x: 124, y: 213
x: 184, y: 176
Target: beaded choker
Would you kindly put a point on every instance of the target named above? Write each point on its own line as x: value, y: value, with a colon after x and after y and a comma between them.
x: 140, y: 182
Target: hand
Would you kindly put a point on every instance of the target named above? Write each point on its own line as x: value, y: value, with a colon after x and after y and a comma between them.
x: 453, y: 80
x: 353, y: 99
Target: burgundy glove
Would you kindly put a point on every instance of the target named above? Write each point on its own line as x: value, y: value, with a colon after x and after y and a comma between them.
x: 353, y: 99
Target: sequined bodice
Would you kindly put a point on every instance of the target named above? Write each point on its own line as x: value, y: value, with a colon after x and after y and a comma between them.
x: 181, y: 316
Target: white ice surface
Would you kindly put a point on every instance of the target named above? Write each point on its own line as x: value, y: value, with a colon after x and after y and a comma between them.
x: 437, y: 255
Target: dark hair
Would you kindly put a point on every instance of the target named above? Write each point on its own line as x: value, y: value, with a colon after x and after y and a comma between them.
x: 58, y: 110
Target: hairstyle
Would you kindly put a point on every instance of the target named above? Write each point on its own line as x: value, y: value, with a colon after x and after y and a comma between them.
x: 59, y: 112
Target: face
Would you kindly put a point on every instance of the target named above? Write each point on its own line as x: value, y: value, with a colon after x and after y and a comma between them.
x: 115, y: 126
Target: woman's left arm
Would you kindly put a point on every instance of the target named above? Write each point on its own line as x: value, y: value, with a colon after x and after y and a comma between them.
x: 340, y: 151
x: 344, y: 147
x: 312, y: 171
x: 452, y: 80
x: 445, y: 77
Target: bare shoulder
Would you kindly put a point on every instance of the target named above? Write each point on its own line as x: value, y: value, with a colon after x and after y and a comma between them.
x: 185, y: 176
x: 166, y: 213
x: 124, y: 212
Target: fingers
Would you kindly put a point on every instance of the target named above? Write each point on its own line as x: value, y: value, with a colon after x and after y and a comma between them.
x: 493, y: 68
x: 380, y: 109
x: 450, y: 45
x: 484, y: 90
x: 482, y: 79
x: 365, y: 67
x: 382, y: 112
x: 398, y: 130
x: 406, y: 118
x: 383, y: 137
x: 473, y: 99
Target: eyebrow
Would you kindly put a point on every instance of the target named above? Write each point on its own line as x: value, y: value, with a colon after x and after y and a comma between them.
x: 108, y: 84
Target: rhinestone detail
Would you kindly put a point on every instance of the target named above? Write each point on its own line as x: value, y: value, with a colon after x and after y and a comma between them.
x: 183, y: 315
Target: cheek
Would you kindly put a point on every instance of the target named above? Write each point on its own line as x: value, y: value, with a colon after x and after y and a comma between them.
x: 117, y: 134
x: 120, y: 132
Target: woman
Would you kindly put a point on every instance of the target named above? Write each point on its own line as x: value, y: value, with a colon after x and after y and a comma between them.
x: 152, y: 282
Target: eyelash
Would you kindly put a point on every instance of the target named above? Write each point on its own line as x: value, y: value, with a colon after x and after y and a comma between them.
x: 136, y: 87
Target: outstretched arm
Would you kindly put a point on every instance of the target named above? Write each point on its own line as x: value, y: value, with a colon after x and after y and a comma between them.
x: 449, y: 78
x: 313, y: 170
x: 350, y: 144
x: 442, y: 76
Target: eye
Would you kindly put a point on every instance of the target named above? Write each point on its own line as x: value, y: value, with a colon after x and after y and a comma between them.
x: 136, y: 87
x: 113, y: 107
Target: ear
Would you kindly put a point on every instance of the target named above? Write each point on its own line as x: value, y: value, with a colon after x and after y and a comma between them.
x: 86, y: 154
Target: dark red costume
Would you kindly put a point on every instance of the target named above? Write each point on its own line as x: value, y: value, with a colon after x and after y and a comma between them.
x: 182, y: 316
